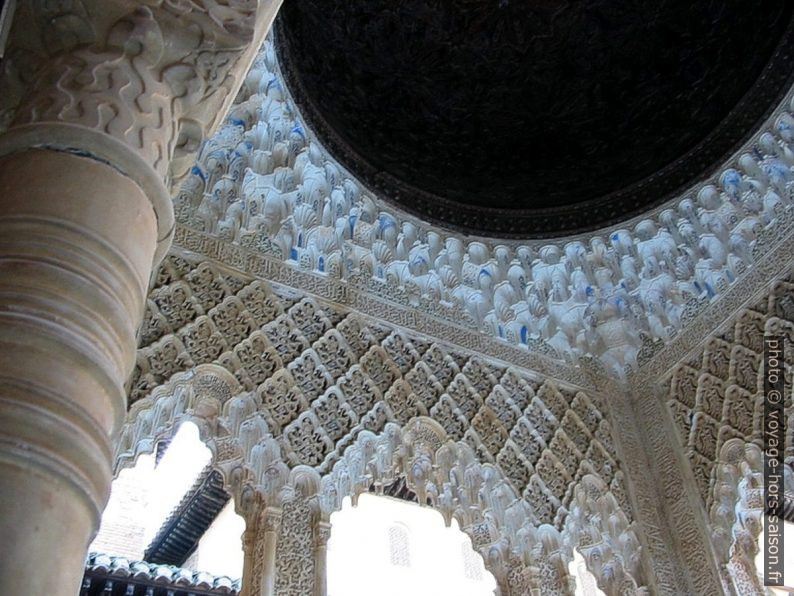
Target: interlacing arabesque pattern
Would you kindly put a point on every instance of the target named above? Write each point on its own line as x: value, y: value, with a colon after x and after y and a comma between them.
x: 265, y: 183
x: 716, y: 400
x: 310, y: 385
x: 717, y: 394
x: 320, y: 375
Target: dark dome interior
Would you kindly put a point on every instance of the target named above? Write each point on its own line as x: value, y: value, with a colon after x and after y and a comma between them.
x: 534, y: 118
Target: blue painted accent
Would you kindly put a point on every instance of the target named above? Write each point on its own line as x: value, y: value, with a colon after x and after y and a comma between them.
x: 293, y: 254
x: 385, y: 223
x: 732, y: 177
x: 197, y: 171
x: 321, y: 264
x: 524, y: 334
x: 237, y: 122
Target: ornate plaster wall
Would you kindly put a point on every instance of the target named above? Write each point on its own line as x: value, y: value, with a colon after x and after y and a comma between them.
x: 714, y: 398
x: 307, y: 326
x: 312, y: 377
x: 282, y: 381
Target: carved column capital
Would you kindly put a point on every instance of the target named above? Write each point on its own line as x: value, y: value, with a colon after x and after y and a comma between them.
x: 322, y: 534
x: 133, y: 84
x: 271, y: 519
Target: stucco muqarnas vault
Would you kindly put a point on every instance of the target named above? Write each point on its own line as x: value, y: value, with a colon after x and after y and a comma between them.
x: 516, y: 261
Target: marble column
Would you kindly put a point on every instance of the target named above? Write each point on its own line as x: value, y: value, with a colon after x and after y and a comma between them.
x: 77, y: 241
x: 105, y: 101
x: 270, y: 538
x: 261, y: 538
x: 322, y: 535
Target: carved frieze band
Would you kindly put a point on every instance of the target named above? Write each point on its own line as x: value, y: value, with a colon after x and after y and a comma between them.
x: 686, y: 530
x: 669, y: 569
x: 347, y: 295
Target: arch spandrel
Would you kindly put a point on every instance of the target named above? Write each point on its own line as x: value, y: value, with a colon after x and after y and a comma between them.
x: 203, y: 396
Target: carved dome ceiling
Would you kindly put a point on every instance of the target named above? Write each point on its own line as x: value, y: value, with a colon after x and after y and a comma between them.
x: 534, y: 119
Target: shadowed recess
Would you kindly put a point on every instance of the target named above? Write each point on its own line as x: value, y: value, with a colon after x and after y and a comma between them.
x: 543, y: 118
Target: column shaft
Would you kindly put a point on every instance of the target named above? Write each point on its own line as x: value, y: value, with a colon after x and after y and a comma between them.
x: 322, y: 534
x: 261, y: 539
x: 77, y: 240
x: 106, y: 100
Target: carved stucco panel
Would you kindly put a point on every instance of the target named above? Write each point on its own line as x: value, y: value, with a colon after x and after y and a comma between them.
x: 333, y: 387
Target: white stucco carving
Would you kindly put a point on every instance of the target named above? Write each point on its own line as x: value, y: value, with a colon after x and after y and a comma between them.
x: 523, y: 552
x: 278, y: 384
x: 265, y: 182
